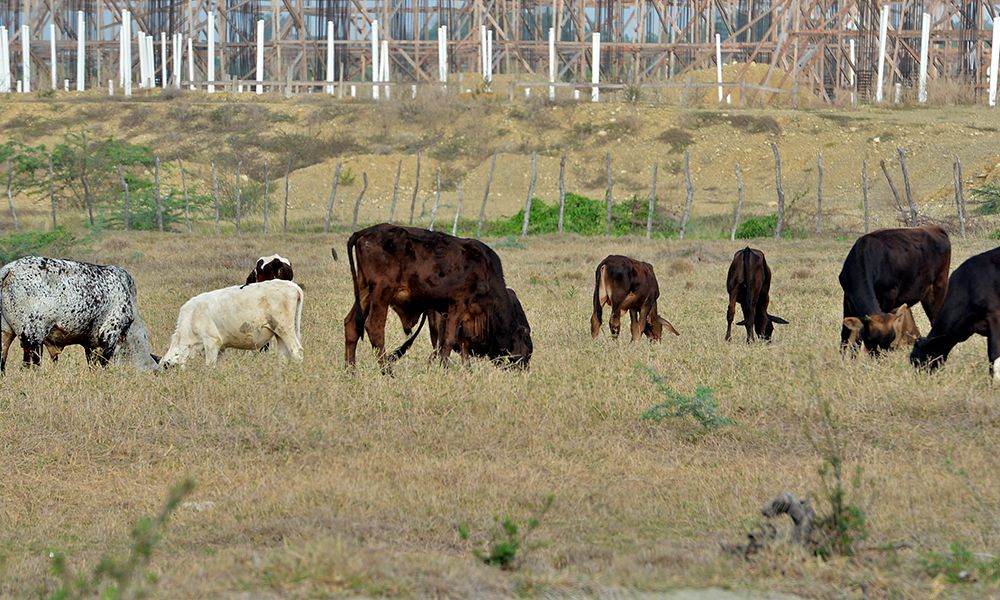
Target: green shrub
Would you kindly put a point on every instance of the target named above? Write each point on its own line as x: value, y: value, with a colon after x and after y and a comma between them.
x: 701, y: 406
x: 142, y: 207
x: 18, y: 245
x: 988, y: 196
x: 677, y: 139
x: 508, y: 540
x: 584, y: 216
x: 757, y: 227
x: 959, y: 565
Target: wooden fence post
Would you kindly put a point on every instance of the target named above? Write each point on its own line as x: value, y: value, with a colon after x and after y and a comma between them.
x: 126, y: 211
x: 333, y: 198
x: 416, y: 186
x: 895, y: 192
x: 159, y: 201
x: 780, y: 226
x: 215, y: 196
x: 395, y: 193
x: 906, y: 186
x: 864, y: 189
x: 52, y: 190
x: 562, y: 190
x: 10, y: 197
x: 959, y: 196
x: 284, y: 214
x: 690, y: 194
x: 652, y: 206
x: 486, y: 196
x: 357, y: 203
x: 437, y: 201
x: 531, y: 192
x: 458, y: 210
x: 184, y: 191
x: 267, y: 204
x: 819, y: 194
x: 239, y: 196
x: 607, y: 194
x: 739, y: 202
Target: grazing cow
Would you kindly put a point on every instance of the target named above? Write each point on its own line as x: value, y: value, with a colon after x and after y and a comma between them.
x: 57, y: 303
x: 627, y: 284
x: 468, y: 346
x: 904, y: 328
x: 243, y: 317
x: 972, y: 305
x: 270, y: 267
x: 414, y: 271
x: 886, y: 269
x: 749, y: 280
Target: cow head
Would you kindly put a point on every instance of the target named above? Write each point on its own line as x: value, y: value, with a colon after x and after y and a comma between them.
x: 654, y: 327
x: 883, y: 331
x: 270, y: 267
x: 927, y: 354
x: 768, y: 331
x: 134, y: 348
x: 520, y: 342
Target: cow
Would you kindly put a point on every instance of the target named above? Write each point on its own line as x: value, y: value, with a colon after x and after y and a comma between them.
x: 749, y: 281
x: 468, y: 346
x: 56, y: 303
x: 270, y: 267
x: 627, y: 284
x: 904, y: 327
x: 242, y: 317
x: 414, y: 271
x: 884, y: 270
x: 971, y: 305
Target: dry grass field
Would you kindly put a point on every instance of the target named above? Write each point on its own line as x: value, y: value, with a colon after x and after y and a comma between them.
x: 314, y: 482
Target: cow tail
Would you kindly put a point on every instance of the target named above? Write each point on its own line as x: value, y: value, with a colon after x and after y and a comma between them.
x: 399, y: 352
x: 598, y: 311
x: 746, y: 276
x: 299, y: 298
x: 359, y: 315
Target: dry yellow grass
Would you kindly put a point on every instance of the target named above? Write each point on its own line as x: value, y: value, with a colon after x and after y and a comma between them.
x: 324, y: 482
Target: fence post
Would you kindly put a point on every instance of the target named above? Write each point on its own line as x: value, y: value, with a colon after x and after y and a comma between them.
x: 284, y: 214
x: 690, y: 194
x: 10, y: 197
x: 562, y: 190
x: 357, y: 203
x: 333, y: 198
x: 959, y: 197
x: 652, y: 206
x: 239, y: 197
x: 437, y: 201
x: 159, y: 202
x: 864, y: 189
x: 267, y: 204
x: 215, y: 196
x: 52, y: 190
x: 906, y: 186
x: 739, y: 202
x: 531, y: 192
x: 184, y: 190
x: 780, y: 226
x: 458, y: 210
x: 416, y: 186
x: 395, y: 192
x: 486, y: 195
x: 895, y: 192
x: 121, y: 176
x: 819, y: 194
x: 607, y: 194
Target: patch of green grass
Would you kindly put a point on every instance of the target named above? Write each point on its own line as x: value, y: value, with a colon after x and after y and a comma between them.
x: 988, y: 196
x: 959, y: 565
x: 701, y: 406
x: 757, y: 227
x: 585, y: 216
x: 17, y: 245
x: 509, y: 540
x: 677, y: 139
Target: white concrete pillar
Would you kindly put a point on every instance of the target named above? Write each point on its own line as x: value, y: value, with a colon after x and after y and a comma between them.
x: 52, y: 55
x: 4, y: 61
x: 163, y: 60
x: 994, y: 55
x: 718, y: 64
x: 26, y: 58
x: 211, y: 51
x: 925, y: 38
x: 81, y: 52
x: 882, y: 31
x: 443, y: 54
x: 260, y: 56
x: 330, y: 66
x: 553, y: 66
x: 191, y: 64
x: 375, y: 54
x: 595, y: 72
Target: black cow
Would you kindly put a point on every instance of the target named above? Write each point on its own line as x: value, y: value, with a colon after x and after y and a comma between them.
x: 972, y: 305
x: 749, y: 282
x: 886, y: 269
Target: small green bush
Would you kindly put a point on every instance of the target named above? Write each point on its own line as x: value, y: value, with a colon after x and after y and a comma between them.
x: 585, y: 216
x: 21, y: 244
x: 988, y: 196
x: 677, y: 139
x: 959, y: 565
x: 701, y: 406
x: 508, y: 542
x: 757, y: 227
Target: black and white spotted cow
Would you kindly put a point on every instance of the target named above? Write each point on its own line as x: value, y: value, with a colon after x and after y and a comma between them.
x: 58, y: 303
x: 270, y: 267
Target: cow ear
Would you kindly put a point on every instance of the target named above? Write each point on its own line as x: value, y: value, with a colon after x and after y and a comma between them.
x: 901, y: 311
x: 777, y: 320
x: 252, y: 277
x: 853, y: 323
x: 667, y: 324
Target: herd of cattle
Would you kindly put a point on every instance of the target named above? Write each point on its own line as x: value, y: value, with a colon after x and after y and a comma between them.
x: 457, y: 287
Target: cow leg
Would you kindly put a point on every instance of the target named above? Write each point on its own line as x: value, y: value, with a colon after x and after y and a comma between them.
x: 615, y: 322
x: 450, y: 334
x: 54, y: 351
x: 375, y: 327
x: 32, y: 350
x: 730, y: 314
x: 636, y: 325
x: 288, y: 343
x: 212, y: 351
x: 6, y: 338
x: 351, y: 336
x: 993, y: 345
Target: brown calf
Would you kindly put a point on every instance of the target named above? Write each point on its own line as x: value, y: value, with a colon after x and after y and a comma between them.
x: 626, y: 284
x: 749, y: 282
x: 904, y: 327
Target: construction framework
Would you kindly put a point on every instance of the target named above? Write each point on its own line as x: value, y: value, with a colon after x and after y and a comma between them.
x: 802, y: 43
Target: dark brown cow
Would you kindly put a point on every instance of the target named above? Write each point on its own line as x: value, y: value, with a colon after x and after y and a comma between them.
x: 886, y: 269
x: 270, y: 267
x: 627, y: 284
x: 749, y: 282
x: 466, y: 345
x: 415, y: 271
x: 971, y: 305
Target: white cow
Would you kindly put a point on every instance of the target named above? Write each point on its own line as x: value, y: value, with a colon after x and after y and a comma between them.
x: 244, y: 317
